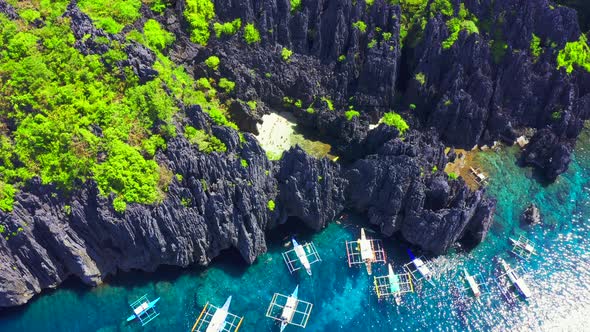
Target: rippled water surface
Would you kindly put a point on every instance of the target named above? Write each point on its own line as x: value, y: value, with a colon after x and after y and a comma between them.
x: 342, y: 297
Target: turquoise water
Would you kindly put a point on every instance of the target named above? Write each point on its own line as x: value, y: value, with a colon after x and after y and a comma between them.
x: 342, y: 297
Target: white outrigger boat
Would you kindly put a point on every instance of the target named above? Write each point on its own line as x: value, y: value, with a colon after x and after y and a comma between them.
x: 516, y: 280
x: 393, y: 285
x: 523, y: 248
x: 289, y: 310
x: 365, y: 251
x: 214, y: 319
x: 144, y: 310
x: 419, y: 268
x: 301, y: 256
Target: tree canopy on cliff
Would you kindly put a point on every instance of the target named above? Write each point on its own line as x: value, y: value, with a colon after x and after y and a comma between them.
x: 67, y: 117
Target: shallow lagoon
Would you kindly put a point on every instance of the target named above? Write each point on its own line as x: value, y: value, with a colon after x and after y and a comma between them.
x: 342, y: 297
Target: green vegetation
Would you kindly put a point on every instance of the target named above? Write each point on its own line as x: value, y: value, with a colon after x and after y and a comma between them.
x: 295, y: 5
x: 412, y: 106
x: 157, y: 6
x: 421, y: 78
x: 271, y: 205
x: 244, y: 163
x: 7, y: 193
x: 113, y: 15
x: 204, y: 184
x: 350, y: 114
x: 227, y: 85
x: 66, y: 109
x: 341, y: 58
x: 395, y: 120
x: 267, y: 75
x: 227, y: 28
x: 286, y: 54
x: 205, y: 142
x: 252, y: 104
x: 372, y: 43
x: 251, y: 34
x: 298, y: 103
x: 434, y: 169
x: 2, y: 229
x: 556, y: 115
x: 179, y: 177
x: 185, y: 201
x: 453, y: 176
x: 465, y: 21
x: 155, y: 36
x: 328, y: 103
x: 536, y: 46
x: 30, y: 15
x: 212, y: 62
x: 198, y: 14
x: 369, y: 2
x: 387, y: 36
x: 575, y: 54
x: 360, y: 25
x: 127, y: 174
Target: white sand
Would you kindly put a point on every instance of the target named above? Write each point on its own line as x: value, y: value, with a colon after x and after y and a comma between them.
x: 277, y: 134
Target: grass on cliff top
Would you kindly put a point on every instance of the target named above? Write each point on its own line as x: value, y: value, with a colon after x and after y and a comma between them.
x: 67, y: 117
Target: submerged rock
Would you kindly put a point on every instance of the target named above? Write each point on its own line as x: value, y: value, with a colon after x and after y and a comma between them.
x: 531, y: 215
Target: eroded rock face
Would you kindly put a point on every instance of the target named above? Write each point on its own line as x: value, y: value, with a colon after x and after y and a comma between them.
x: 401, y: 191
x: 488, y: 86
x: 213, y: 204
x: 310, y: 189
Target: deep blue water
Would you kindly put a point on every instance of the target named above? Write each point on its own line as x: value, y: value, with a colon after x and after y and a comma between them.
x: 343, y: 298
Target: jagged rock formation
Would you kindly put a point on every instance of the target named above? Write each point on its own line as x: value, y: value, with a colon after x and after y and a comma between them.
x: 401, y: 190
x: 470, y: 96
x: 310, y: 189
x: 212, y: 204
x: 488, y: 86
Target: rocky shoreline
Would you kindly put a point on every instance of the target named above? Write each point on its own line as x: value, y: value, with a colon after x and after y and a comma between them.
x: 214, y: 202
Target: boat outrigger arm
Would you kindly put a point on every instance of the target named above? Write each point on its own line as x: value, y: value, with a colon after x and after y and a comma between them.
x: 523, y: 247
